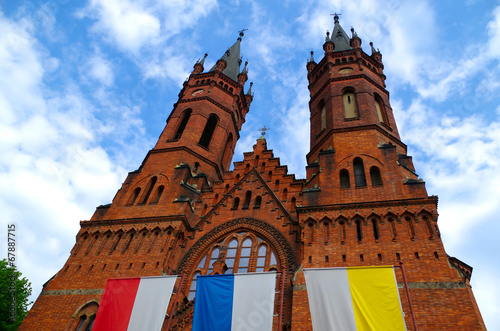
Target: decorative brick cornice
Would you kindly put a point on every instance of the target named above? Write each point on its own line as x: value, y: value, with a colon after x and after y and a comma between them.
x: 146, y: 220
x: 339, y: 79
x: 432, y: 200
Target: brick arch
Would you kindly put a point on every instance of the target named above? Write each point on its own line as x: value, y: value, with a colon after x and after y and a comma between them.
x: 161, y: 179
x: 347, y: 161
x: 391, y: 215
x: 82, y: 308
x: 424, y: 213
x: 275, y: 238
x: 325, y: 219
x: 84, y: 311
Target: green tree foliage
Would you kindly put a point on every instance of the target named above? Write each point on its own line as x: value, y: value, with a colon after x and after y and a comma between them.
x: 14, y: 293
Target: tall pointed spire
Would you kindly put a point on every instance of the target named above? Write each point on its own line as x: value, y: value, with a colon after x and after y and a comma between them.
x: 233, y: 60
x: 339, y: 37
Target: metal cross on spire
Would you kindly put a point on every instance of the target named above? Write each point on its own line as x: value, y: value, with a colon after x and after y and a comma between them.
x: 263, y: 130
x: 335, y: 17
x: 241, y: 32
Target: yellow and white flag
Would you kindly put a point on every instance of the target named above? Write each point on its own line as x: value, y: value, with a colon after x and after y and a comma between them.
x: 357, y: 298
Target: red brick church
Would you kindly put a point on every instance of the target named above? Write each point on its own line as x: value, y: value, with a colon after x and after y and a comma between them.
x: 183, y: 211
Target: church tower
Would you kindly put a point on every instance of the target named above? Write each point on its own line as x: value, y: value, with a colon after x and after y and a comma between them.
x: 183, y: 212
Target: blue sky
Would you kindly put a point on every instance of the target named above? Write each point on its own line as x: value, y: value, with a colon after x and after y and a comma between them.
x: 86, y: 87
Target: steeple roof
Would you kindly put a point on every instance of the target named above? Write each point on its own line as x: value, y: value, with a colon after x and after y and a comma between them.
x: 233, y: 60
x: 339, y: 37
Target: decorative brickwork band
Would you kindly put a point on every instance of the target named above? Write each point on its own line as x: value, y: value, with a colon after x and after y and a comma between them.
x: 74, y: 292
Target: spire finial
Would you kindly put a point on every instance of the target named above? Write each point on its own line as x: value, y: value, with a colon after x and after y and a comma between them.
x: 242, y: 34
x: 263, y: 131
x: 312, y: 56
x: 335, y: 17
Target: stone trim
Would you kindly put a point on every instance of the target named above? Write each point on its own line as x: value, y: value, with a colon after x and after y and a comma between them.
x: 73, y: 292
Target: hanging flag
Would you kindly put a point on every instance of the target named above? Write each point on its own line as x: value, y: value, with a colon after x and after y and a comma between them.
x: 243, y: 302
x: 134, y: 304
x: 350, y: 299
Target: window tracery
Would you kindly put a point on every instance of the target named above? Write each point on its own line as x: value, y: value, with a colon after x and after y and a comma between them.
x: 240, y: 252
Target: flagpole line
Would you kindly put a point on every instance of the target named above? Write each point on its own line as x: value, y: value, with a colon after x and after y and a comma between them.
x: 179, y: 289
x: 412, y: 312
x: 282, y: 294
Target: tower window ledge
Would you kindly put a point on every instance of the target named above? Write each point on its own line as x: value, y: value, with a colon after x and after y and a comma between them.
x: 386, y: 126
x: 319, y: 134
x: 205, y: 148
x: 351, y: 119
x: 361, y: 187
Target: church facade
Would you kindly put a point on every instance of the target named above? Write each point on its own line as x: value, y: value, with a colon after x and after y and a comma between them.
x: 184, y: 212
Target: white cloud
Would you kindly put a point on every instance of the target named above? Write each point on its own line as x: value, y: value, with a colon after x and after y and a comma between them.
x: 101, y: 70
x: 52, y: 172
x: 126, y: 23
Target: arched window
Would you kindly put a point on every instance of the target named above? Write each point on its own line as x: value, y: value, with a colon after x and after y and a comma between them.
x: 322, y: 115
x: 285, y: 193
x: 236, y: 203
x: 342, y: 234
x: 227, y: 152
x: 359, y: 173
x: 261, y: 258
x: 258, y: 202
x: 149, y: 189
x: 159, y: 192
x: 379, y: 105
x: 350, y: 106
x: 86, y: 316
x: 133, y: 196
x: 248, y: 197
x: 208, y: 132
x: 393, y: 229
x: 192, y: 288
x: 411, y: 228
x: 376, y: 233
x: 240, y: 252
x: 345, y: 182
x: 375, y: 176
x: 90, y: 325
x: 326, y: 232
x: 359, y: 231
x: 182, y: 125
x: 81, y: 325
x: 429, y: 226
x: 310, y: 232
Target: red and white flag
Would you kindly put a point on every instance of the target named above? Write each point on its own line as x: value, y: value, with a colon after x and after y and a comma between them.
x: 130, y: 304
